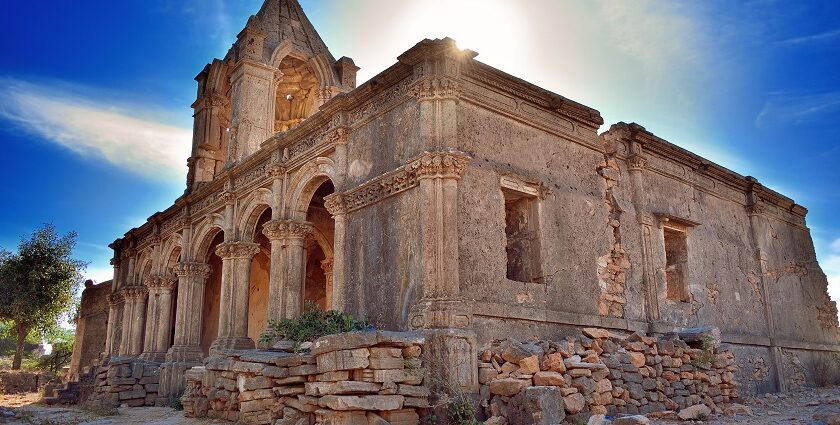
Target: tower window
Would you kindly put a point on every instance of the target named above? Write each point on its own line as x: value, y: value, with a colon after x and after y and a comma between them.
x: 522, y: 235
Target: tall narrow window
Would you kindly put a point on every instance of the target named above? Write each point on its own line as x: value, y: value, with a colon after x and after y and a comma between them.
x: 676, y: 264
x: 522, y: 231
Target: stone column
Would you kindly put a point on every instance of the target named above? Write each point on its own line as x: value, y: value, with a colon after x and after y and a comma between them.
x: 327, y: 267
x: 186, y: 350
x: 233, y: 312
x: 115, y: 309
x: 442, y: 313
x: 337, y: 207
x: 159, y: 320
x: 288, y: 268
x: 133, y: 319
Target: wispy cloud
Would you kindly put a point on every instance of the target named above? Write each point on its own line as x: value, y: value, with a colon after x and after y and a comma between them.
x: 788, y: 109
x: 128, y: 135
x: 823, y: 37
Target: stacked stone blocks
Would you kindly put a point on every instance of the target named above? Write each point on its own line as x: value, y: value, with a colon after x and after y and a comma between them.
x: 352, y: 378
x: 127, y: 381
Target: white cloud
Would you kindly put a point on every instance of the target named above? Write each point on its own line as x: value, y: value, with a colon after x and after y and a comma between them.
x: 129, y: 135
x: 823, y: 37
x: 786, y: 109
x: 99, y: 274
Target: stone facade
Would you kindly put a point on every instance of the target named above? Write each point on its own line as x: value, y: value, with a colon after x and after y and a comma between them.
x: 447, y: 197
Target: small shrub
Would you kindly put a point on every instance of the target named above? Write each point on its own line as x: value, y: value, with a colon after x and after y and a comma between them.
x: 702, y: 416
x: 311, y: 325
x: 177, y: 404
x: 706, y: 356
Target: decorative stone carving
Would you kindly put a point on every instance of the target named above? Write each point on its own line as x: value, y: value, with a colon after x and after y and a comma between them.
x: 231, y: 250
x: 192, y: 269
x: 279, y: 229
x: 335, y: 204
x: 228, y: 197
x: 166, y: 283
x: 756, y: 208
x: 275, y: 171
x: 337, y: 136
x: 115, y: 299
x: 134, y: 292
x: 636, y: 163
x: 115, y: 262
x: 439, y: 164
x: 436, y: 89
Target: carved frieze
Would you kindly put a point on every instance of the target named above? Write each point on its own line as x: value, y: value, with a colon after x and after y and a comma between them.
x: 255, y: 173
x: 636, y: 163
x: 381, y: 102
x: 233, y: 250
x: 134, y: 292
x: 192, y: 270
x: 275, y: 171
x: 282, y: 229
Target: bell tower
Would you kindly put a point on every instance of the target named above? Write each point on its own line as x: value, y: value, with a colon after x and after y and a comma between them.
x: 278, y: 73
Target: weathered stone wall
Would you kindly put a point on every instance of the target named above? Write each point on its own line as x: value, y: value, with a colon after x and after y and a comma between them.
x: 91, y: 329
x: 127, y: 381
x: 601, y: 372
x: 352, y: 378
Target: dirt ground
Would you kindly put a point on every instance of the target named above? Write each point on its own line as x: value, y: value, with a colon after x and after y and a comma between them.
x: 811, y: 407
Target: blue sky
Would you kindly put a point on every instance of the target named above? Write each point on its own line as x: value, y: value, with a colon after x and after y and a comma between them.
x: 95, y: 120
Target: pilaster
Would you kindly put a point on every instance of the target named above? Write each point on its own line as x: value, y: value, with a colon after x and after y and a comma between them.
x: 442, y: 313
x: 337, y: 207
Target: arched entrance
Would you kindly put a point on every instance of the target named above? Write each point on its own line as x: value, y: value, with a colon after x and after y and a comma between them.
x: 317, y: 287
x: 259, y: 282
x: 212, y: 294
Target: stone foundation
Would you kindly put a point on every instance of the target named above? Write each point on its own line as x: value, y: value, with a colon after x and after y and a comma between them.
x: 601, y: 372
x: 127, y: 381
x: 351, y: 378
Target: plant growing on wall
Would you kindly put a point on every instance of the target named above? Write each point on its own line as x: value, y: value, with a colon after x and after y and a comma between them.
x: 38, y: 284
x: 311, y: 325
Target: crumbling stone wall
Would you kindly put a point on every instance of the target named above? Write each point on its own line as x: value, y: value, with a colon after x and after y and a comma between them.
x: 91, y: 328
x: 601, y: 372
x: 358, y: 377
x: 128, y: 381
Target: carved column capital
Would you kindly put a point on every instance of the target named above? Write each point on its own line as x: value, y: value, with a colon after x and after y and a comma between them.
x: 134, y: 292
x: 756, y: 208
x: 337, y: 136
x: 292, y: 229
x: 275, y: 171
x: 436, y: 88
x: 192, y: 269
x: 636, y: 163
x: 115, y: 299
x: 439, y: 165
x: 163, y: 283
x: 327, y: 266
x: 129, y: 252
x: 115, y: 262
x: 336, y: 204
x: 228, y: 197
x: 231, y: 250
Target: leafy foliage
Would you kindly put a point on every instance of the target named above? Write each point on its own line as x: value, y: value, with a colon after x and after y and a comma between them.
x: 62, y: 351
x: 706, y: 356
x: 311, y: 325
x: 176, y: 404
x: 38, y: 284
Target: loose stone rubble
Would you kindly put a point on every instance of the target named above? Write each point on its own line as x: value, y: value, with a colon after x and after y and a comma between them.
x: 600, y: 372
x: 351, y: 378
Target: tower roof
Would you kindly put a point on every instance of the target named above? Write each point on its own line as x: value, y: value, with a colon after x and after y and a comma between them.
x: 284, y: 20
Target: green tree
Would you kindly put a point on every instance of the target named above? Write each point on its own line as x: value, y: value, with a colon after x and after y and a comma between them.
x: 38, y: 284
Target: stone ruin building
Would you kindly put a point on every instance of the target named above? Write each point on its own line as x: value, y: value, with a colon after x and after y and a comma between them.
x: 447, y: 197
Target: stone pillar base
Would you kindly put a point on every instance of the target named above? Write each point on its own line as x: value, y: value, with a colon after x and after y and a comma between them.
x: 231, y: 343
x: 172, y: 380
x: 452, y: 356
x: 185, y: 354
x: 153, y: 357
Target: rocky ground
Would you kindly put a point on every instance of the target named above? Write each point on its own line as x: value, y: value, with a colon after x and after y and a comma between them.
x: 811, y: 407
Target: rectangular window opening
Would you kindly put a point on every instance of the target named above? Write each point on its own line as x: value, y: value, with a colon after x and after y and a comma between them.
x: 676, y: 264
x: 522, y: 236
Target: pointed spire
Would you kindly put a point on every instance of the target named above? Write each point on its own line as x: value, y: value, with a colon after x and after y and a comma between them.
x: 283, y: 20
